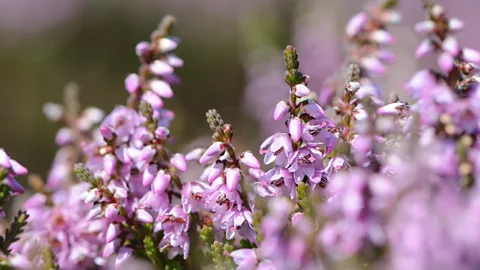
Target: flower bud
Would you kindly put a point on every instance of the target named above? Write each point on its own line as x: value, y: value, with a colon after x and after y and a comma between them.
x: 132, y: 83
x: 107, y: 132
x: 148, y: 153
x: 166, y: 45
x: 149, y: 174
x: 425, y: 27
x: 113, y: 232
x: 153, y: 99
x: 424, y: 48
x: 301, y: 90
x: 53, y: 112
x: 356, y: 23
x: 179, y: 162
x: 455, y: 24
x: 353, y: 87
x: 391, y: 109
x: 161, y: 182
x: 143, y: 216
x: 110, y: 248
x: 232, y: 176
x: 123, y: 255
x: 93, y: 195
x: 161, y: 68
x: 280, y: 110
x: 213, y: 152
x: 295, y: 129
x: 162, y: 133
x: 450, y: 45
x: 215, y: 171
x: 194, y: 155
x: 471, y: 55
x: 94, y: 212
x: 109, y: 163
x: 15, y: 187
x: 142, y: 48
x: 381, y: 37
x: 161, y: 88
x: 250, y: 160
x: 18, y: 168
x: 374, y: 65
x: 121, y: 193
x: 174, y: 61
x: 437, y: 10
x: 112, y: 210
x: 446, y: 62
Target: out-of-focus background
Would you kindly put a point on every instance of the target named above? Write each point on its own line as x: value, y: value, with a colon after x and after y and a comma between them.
x: 232, y: 52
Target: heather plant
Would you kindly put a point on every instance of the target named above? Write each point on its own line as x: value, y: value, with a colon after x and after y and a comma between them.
x: 354, y: 180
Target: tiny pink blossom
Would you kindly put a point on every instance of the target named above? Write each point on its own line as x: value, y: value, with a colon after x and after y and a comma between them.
x: 161, y: 88
x: 212, y: 152
x: 232, y: 176
x: 280, y: 110
x: 132, y: 83
x: 178, y: 160
x: 295, y: 129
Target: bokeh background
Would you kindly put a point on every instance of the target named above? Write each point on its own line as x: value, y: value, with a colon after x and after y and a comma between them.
x: 232, y: 52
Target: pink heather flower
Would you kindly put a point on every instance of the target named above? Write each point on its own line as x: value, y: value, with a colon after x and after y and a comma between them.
x: 174, y: 61
x: 425, y: 27
x: 113, y: 232
x: 215, y: 171
x: 356, y: 24
x: 149, y: 174
x: 178, y: 160
x: 304, y: 161
x: 167, y: 44
x: 161, y: 182
x: 392, y: 109
x: 162, y: 133
x: 276, y: 148
x: 240, y: 221
x: 53, y: 112
x: 300, y: 90
x: 374, y: 65
x: 250, y: 160
x: 153, y: 99
x: 4, y: 159
x: 446, y: 62
x: 132, y: 83
x: 212, y: 152
x: 450, y: 45
x: 112, y: 210
x: 161, y: 88
x: 124, y: 254
x: 280, y: 110
x: 424, y: 48
x: 295, y: 129
x: 246, y: 259
x: 142, y: 48
x: 381, y: 37
x: 471, y: 55
x: 455, y: 24
x: 193, y: 196
x: 232, y: 176
x: 161, y: 68
x: 144, y: 216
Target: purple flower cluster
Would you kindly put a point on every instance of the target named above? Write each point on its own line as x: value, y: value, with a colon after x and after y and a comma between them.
x: 9, y: 169
x: 355, y: 182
